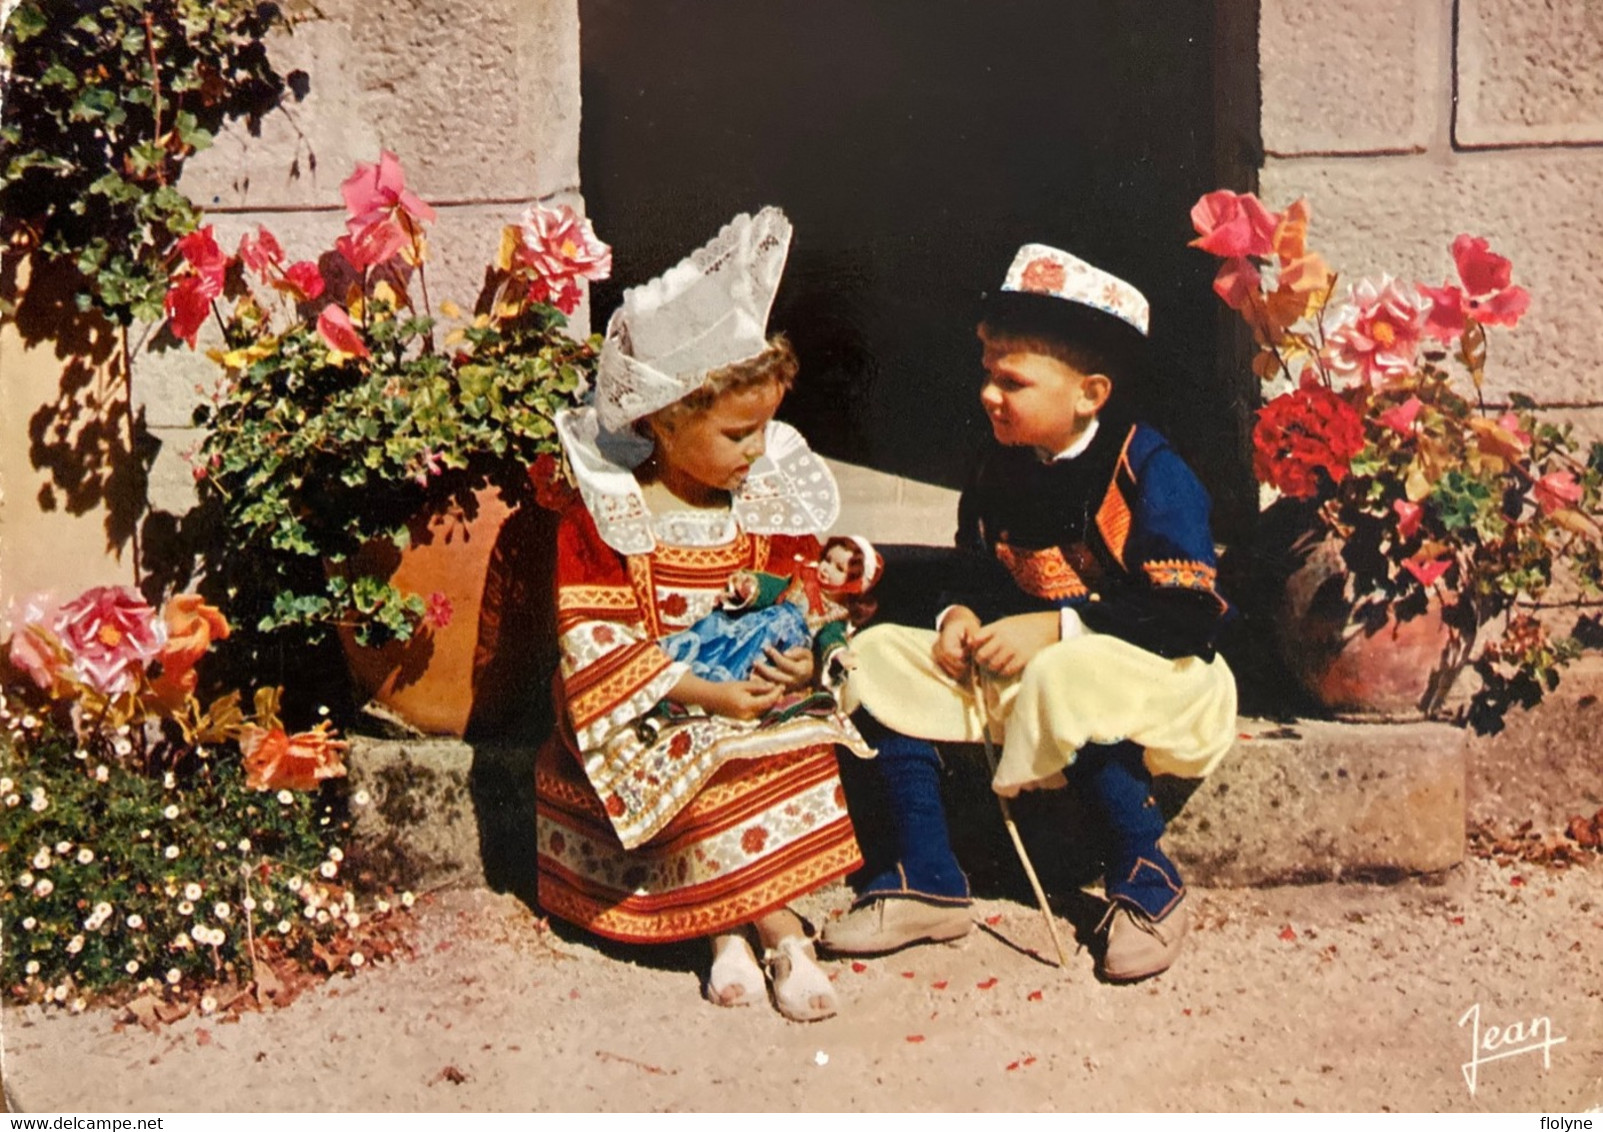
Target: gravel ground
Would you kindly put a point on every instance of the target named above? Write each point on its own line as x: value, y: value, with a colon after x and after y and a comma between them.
x: 1329, y: 997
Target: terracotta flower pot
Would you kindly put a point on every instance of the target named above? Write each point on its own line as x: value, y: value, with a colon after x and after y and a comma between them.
x: 475, y: 675
x: 1358, y: 658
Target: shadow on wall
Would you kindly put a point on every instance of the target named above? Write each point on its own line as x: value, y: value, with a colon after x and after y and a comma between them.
x: 85, y: 437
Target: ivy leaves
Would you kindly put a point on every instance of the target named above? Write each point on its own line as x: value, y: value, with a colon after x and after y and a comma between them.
x: 106, y: 101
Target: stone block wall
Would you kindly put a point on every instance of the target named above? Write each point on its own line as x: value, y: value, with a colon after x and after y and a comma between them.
x: 1407, y: 122
x: 481, y: 105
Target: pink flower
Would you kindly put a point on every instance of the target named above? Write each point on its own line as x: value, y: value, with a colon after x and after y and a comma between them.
x: 385, y: 216
x: 1487, y: 295
x: 34, y: 648
x: 381, y: 188
x: 110, y: 634
x: 430, y: 465
x: 200, y: 251
x: 1556, y: 491
x: 1233, y: 224
x: 1401, y: 417
x: 372, y: 245
x: 439, y: 610
x: 560, y: 248
x: 1511, y: 423
x: 1237, y: 283
x: 337, y: 330
x: 1426, y: 572
x: 187, y: 303
x: 261, y: 251
x: 303, y: 281
x: 1380, y: 336
x: 195, y: 284
x: 1408, y: 517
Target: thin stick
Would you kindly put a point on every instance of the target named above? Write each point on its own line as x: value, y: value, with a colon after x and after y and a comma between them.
x: 1013, y: 829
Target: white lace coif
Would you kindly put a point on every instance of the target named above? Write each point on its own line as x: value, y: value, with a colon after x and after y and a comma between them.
x: 708, y: 311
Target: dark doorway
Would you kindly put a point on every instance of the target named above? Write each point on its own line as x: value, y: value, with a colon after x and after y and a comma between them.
x: 915, y: 144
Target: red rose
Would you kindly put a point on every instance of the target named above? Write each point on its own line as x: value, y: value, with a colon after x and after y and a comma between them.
x: 753, y: 840
x: 1043, y: 276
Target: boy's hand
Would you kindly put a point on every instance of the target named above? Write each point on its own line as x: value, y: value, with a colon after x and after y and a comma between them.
x: 788, y: 670
x: 1004, y: 647
x: 740, y: 699
x: 953, y: 642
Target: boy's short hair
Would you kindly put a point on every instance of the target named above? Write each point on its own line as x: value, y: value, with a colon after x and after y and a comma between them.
x: 1090, y: 340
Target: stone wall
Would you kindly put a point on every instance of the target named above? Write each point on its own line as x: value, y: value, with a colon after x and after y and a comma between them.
x: 480, y: 103
x: 1405, y: 127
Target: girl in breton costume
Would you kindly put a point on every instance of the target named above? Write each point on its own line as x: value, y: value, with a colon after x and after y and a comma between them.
x: 672, y: 806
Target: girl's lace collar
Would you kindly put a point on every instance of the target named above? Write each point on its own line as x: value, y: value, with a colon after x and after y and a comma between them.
x: 789, y: 491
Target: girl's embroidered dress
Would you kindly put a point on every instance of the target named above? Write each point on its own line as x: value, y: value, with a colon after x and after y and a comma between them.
x: 656, y: 824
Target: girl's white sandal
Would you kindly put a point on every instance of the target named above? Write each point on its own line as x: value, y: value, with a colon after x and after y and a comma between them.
x: 802, y: 991
x: 735, y: 979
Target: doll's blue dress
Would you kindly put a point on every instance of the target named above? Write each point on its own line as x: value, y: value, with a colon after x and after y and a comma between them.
x: 723, y: 646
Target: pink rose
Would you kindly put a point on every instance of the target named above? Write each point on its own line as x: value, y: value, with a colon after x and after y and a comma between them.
x: 110, y: 634
x: 559, y: 248
x: 1381, y: 334
x: 1234, y: 224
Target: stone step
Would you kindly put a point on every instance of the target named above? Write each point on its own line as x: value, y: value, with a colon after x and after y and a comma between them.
x: 1300, y: 802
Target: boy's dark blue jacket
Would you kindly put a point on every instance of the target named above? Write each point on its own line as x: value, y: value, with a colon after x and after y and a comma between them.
x: 1120, y: 533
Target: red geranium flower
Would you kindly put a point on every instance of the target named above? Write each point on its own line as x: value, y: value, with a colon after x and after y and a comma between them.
x: 1302, y: 433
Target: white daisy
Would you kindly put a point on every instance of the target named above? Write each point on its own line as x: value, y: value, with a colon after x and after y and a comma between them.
x: 170, y: 852
x: 173, y: 975
x: 136, y: 921
x: 86, y: 855
x: 192, y: 891
x: 285, y: 797
x: 170, y: 813
x: 41, y: 859
x: 328, y: 869
x: 32, y: 967
x: 45, y: 887
x: 221, y: 910
x: 75, y: 945
x: 357, y: 959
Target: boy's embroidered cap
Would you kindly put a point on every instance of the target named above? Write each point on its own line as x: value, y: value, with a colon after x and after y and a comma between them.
x: 708, y: 311
x: 1042, y: 270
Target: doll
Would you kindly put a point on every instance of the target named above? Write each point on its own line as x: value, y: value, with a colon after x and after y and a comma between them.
x: 818, y: 606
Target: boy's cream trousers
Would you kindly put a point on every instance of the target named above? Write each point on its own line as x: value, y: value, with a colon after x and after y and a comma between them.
x: 1088, y: 689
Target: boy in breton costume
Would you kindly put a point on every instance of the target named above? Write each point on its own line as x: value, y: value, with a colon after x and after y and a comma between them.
x: 1083, y: 634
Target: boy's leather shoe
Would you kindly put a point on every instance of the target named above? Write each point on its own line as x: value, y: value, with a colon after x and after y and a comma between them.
x: 1139, y: 947
x: 890, y: 922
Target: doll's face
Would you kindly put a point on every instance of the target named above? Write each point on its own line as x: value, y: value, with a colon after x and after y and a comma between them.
x: 835, y: 567
x: 715, y: 449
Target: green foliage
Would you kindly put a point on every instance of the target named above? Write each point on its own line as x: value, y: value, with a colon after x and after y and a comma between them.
x: 106, y: 101
x: 314, y: 465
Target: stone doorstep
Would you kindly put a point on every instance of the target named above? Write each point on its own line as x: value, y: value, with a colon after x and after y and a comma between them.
x: 1292, y: 803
